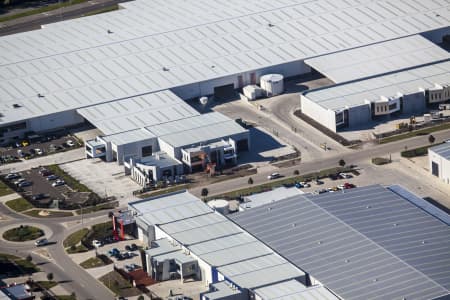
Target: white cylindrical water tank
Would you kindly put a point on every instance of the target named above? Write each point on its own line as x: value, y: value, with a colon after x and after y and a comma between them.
x: 222, y: 206
x: 272, y: 84
x: 203, y: 100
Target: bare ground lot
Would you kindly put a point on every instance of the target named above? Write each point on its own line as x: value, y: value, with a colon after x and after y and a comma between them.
x: 105, y: 179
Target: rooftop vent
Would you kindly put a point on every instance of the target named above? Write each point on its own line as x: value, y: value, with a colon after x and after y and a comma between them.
x: 15, y: 105
x: 271, y: 25
x: 109, y: 31
x: 165, y: 69
x: 1, y: 115
x: 40, y: 95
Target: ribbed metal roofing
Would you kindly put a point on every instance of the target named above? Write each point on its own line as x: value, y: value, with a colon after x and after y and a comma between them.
x: 294, y: 290
x: 165, y: 44
x: 137, y: 112
x: 367, y: 243
x: 442, y: 150
x: 356, y: 92
x: 378, y: 58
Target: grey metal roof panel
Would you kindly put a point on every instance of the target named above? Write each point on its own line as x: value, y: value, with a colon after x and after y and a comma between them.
x: 331, y: 237
x: 356, y: 92
x: 294, y: 290
x: 442, y: 150
x: 379, y: 58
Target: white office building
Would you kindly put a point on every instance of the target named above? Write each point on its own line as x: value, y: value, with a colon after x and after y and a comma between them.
x: 439, y: 161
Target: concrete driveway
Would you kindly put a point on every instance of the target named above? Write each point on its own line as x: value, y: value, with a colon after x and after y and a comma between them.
x: 105, y: 179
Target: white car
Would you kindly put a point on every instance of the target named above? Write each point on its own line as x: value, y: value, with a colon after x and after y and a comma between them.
x: 97, y: 243
x: 39, y: 151
x: 274, y: 176
x: 70, y: 143
x: 41, y: 242
x: 345, y: 176
x: 58, y: 182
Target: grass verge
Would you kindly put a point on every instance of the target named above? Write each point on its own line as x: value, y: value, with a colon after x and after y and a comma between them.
x: 16, y: 266
x: 66, y: 297
x: 103, y: 10
x: 98, y: 207
x: 40, y: 10
x: 164, y: 191
x: 19, y: 204
x: 92, y: 262
x: 118, y: 285
x: 75, y: 238
x: 77, y: 249
x: 277, y: 183
x: 4, y: 189
x: 52, y: 214
x: 47, y: 284
x: 380, y: 161
x: 424, y: 131
x: 416, y: 151
x: 23, y: 233
x: 72, y: 182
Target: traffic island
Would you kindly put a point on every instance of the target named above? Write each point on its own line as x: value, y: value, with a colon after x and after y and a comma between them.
x: 23, y: 233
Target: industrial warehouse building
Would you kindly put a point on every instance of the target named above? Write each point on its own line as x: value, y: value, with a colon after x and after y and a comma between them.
x: 190, y: 240
x: 439, y: 161
x: 159, y: 136
x: 190, y: 48
x: 365, y: 243
x: 356, y: 103
x: 328, y: 246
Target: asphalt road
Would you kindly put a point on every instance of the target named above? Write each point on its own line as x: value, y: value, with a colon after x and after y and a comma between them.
x: 305, y: 167
x: 70, y: 275
x: 34, y: 22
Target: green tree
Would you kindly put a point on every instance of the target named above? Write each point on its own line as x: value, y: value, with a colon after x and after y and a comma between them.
x: 296, y: 172
x: 431, y: 139
x: 250, y: 180
x: 205, y: 192
x: 342, y: 162
x: 50, y: 276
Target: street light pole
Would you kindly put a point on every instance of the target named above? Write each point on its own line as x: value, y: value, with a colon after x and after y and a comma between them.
x: 81, y: 208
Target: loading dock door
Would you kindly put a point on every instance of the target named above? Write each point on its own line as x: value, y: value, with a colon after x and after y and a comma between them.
x: 224, y: 92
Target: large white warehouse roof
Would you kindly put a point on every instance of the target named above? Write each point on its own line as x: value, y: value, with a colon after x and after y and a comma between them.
x: 137, y: 112
x: 378, y: 59
x: 355, y: 93
x: 78, y: 63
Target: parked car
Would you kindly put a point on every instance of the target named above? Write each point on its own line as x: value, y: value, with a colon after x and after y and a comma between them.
x: 298, y: 185
x: 58, y: 182
x: 21, y: 153
x: 319, y: 182
x: 97, y: 243
x: 24, y: 183
x: 41, y: 242
x: 305, y: 184
x: 273, y: 176
x: 39, y: 196
x: 70, y: 143
x: 345, y: 176
x: 38, y: 151
x: 333, y: 176
x: 131, y: 267
x: 132, y: 247
x: 51, y: 177
x: 113, y: 252
x: 11, y: 176
x: 349, y: 185
x: 19, y: 181
x: 44, y: 172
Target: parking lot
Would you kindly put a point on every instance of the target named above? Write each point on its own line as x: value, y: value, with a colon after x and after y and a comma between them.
x: 38, y: 146
x: 44, y: 187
